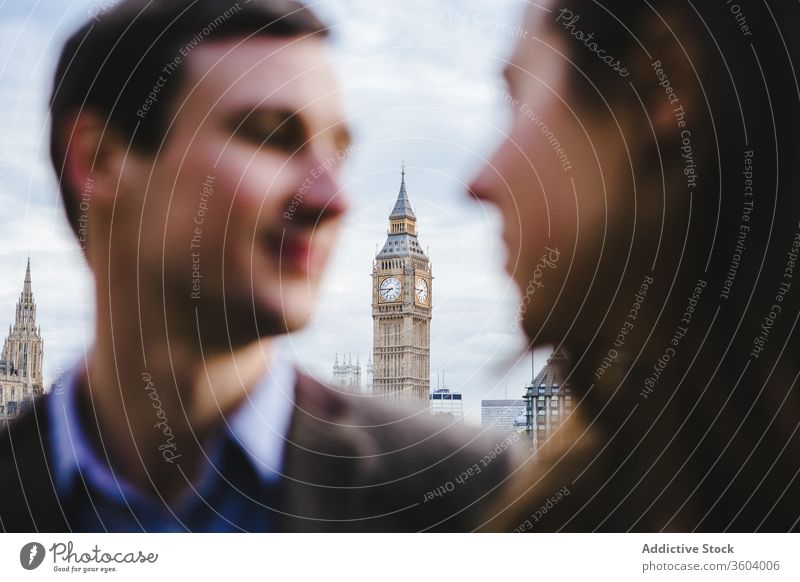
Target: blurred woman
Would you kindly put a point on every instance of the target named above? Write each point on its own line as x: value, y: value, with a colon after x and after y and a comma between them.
x: 654, y: 146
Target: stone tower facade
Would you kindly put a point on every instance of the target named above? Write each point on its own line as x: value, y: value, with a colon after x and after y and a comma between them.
x: 370, y: 375
x: 346, y: 373
x: 402, y: 300
x: 21, y: 359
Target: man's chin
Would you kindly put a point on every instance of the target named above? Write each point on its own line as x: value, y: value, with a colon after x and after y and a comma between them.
x: 242, y: 320
x: 292, y: 320
x: 249, y: 324
x: 288, y: 311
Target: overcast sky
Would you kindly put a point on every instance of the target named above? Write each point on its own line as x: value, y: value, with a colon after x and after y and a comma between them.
x: 421, y: 84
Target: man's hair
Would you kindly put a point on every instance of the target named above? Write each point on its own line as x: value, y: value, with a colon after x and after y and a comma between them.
x: 113, y: 63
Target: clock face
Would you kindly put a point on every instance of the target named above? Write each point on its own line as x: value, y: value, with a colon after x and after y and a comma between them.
x: 421, y: 290
x: 390, y: 289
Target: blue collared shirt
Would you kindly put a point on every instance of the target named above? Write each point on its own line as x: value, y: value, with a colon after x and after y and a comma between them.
x: 233, y: 492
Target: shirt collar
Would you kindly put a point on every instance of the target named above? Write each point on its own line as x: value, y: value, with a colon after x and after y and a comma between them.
x: 259, y: 427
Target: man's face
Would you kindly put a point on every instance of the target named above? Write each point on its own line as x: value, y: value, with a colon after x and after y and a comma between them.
x: 242, y: 205
x: 553, y: 180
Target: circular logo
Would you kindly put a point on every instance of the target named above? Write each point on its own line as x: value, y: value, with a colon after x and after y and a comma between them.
x: 31, y: 555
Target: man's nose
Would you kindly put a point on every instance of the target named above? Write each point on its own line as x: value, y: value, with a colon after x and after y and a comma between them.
x: 320, y: 190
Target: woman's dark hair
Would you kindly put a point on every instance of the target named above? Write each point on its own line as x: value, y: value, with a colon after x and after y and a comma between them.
x: 694, y: 424
x: 127, y: 63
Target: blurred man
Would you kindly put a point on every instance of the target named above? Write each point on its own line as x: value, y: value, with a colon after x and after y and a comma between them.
x: 197, y: 149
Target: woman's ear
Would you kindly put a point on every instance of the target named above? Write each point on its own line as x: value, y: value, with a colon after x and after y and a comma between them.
x: 666, y: 81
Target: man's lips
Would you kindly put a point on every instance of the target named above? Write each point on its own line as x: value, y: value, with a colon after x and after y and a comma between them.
x: 296, y: 250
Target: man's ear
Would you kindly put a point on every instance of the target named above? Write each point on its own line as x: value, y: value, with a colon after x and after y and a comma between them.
x: 94, y: 155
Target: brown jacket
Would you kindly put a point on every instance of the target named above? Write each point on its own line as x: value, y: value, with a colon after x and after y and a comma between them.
x: 350, y: 464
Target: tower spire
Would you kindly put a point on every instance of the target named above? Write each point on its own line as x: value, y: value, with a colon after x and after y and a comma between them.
x: 26, y: 288
x: 402, y: 208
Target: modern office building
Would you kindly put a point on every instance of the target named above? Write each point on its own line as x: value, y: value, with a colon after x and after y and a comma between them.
x: 546, y: 402
x: 444, y: 402
x: 501, y: 414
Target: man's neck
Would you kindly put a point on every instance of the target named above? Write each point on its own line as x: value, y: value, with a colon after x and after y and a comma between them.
x: 152, y: 411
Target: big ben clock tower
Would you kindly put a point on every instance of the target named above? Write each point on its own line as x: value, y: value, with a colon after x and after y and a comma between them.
x: 401, y: 310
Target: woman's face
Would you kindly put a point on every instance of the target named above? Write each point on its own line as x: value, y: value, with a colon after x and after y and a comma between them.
x: 558, y: 180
